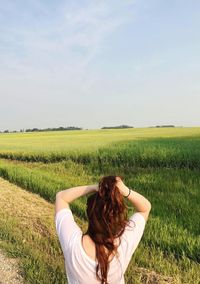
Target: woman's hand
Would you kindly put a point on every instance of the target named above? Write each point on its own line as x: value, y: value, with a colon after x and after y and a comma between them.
x: 124, y: 190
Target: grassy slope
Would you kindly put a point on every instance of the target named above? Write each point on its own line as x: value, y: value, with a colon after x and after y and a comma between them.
x: 171, y: 242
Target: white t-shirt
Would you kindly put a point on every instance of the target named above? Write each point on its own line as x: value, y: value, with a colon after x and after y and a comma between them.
x: 81, y: 268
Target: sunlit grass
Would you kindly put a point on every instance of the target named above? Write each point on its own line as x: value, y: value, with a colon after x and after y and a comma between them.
x: 65, y: 141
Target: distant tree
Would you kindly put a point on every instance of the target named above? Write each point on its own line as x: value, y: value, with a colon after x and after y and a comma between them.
x: 117, y: 127
x: 165, y: 126
x: 61, y: 128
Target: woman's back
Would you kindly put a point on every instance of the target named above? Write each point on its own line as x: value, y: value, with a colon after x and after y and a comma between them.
x: 90, y: 249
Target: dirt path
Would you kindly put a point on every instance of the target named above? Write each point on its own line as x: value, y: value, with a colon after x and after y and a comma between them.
x: 32, y: 213
x: 9, y: 273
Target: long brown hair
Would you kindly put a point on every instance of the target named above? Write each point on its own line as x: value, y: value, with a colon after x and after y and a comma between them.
x: 107, y: 218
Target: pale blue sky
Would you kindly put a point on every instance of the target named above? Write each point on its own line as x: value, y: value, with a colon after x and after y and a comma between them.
x: 99, y: 63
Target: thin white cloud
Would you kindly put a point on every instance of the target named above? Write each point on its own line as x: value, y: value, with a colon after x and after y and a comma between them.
x: 74, y: 36
x: 57, y: 44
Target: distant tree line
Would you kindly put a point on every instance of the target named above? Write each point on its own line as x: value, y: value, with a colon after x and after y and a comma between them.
x: 77, y: 128
x: 44, y: 129
x: 53, y: 129
x: 117, y: 127
x: 162, y: 126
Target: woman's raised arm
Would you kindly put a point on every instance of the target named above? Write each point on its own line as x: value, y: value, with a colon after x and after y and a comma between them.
x: 64, y: 197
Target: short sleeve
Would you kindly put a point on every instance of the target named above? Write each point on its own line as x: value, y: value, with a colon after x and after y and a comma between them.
x: 132, y: 236
x: 66, y: 227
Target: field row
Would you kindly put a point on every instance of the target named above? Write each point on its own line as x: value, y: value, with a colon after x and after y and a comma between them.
x: 168, y: 152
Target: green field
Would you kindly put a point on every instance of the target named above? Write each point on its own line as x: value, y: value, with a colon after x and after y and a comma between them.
x: 161, y: 163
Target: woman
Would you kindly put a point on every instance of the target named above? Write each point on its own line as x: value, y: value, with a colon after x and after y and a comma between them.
x: 103, y: 253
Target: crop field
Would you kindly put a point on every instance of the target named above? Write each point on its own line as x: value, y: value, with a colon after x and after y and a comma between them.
x: 163, y: 164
